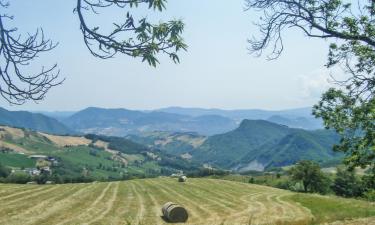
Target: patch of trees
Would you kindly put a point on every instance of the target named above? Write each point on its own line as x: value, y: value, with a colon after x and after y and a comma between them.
x: 5, y: 149
x: 177, y: 163
x: 307, y: 176
x: 120, y: 144
x: 206, y: 172
x: 4, y: 171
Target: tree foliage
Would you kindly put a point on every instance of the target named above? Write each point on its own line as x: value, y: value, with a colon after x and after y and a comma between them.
x: 347, y: 184
x: 145, y: 40
x: 349, y: 108
x: 18, y: 178
x: 4, y: 171
x: 311, y: 176
x: 137, y: 38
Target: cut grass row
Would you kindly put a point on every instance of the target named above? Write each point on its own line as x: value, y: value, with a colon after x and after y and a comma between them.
x: 208, y: 201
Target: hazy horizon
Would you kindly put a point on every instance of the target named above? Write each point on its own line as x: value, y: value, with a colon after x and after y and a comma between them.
x: 153, y: 109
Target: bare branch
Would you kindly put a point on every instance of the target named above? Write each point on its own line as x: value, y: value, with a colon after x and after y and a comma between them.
x: 17, y: 84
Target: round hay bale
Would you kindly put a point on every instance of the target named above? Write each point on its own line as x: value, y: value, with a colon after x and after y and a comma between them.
x: 182, y: 179
x: 174, y: 213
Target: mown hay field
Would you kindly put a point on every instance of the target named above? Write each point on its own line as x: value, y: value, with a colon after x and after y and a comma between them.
x: 208, y: 201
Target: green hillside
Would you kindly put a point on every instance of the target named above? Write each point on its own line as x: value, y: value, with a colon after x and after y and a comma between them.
x: 173, y: 143
x: 224, y: 149
x: 254, y: 145
x: 258, y: 144
x: 92, y: 157
x: 297, y: 145
x: 33, y: 121
x: 207, y: 201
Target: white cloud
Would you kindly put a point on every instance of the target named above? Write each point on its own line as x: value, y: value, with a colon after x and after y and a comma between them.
x: 314, y: 84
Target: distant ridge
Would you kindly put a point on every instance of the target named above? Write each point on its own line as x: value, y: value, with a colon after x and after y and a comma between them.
x: 33, y: 121
x: 121, y: 122
x: 296, y: 118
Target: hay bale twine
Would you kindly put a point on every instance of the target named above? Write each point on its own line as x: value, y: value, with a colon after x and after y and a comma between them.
x: 182, y: 179
x: 174, y: 213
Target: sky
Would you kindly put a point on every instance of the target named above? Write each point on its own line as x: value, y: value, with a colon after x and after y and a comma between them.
x: 217, y: 71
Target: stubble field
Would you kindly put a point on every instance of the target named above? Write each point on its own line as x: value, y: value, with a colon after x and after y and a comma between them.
x: 208, y: 201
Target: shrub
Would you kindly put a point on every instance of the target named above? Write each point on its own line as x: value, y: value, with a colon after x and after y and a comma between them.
x: 18, y: 178
x: 347, y: 184
x: 4, y: 171
x: 370, y: 195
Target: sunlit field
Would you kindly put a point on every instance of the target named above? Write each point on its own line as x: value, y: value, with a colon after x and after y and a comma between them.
x: 208, y: 201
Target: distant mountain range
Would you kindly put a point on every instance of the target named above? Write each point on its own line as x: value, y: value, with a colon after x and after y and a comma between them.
x: 296, y: 118
x: 121, y: 122
x: 33, y: 121
x: 206, y: 136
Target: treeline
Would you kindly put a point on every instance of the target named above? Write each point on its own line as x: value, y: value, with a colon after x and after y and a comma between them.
x: 307, y: 176
x: 6, y: 176
x: 206, y: 172
x: 21, y: 177
x: 65, y: 172
x: 120, y: 144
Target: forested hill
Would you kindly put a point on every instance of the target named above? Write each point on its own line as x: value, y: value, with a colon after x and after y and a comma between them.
x: 254, y: 145
x: 258, y: 144
x: 33, y: 121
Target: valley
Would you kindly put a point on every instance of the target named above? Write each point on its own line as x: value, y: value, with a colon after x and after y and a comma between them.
x: 126, y: 165
x: 157, y: 112
x: 238, y: 140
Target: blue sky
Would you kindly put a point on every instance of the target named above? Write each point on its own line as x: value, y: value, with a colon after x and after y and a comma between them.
x: 216, y: 72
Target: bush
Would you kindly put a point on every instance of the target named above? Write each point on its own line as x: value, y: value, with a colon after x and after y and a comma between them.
x: 370, y: 195
x: 4, y: 171
x: 41, y: 179
x: 369, y: 182
x: 347, y: 184
x: 18, y: 178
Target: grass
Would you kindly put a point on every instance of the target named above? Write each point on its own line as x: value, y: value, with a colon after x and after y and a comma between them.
x: 330, y: 208
x: 208, y: 201
x: 16, y: 160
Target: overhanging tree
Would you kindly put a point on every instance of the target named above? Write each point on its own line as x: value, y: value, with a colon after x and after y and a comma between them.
x: 133, y: 37
x: 349, y: 108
